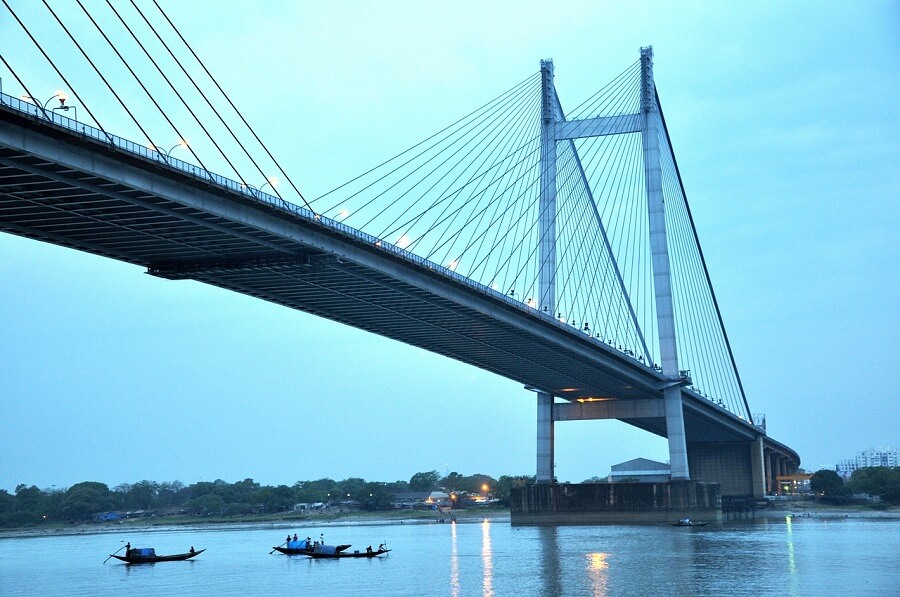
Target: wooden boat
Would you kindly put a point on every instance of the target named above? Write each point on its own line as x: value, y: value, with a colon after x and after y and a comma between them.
x: 147, y: 555
x: 320, y: 555
x: 304, y: 551
x: 687, y: 522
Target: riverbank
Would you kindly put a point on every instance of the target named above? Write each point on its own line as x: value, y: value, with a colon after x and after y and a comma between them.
x: 283, y: 522
x: 272, y: 521
x: 824, y: 511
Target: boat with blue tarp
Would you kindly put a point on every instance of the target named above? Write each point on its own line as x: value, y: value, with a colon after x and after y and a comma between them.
x: 148, y: 555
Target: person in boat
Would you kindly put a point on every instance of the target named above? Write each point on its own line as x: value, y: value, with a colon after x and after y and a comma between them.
x: 295, y: 536
x: 369, y: 549
x: 288, y: 540
x: 192, y: 549
x: 380, y: 546
x: 128, y: 549
x: 685, y: 521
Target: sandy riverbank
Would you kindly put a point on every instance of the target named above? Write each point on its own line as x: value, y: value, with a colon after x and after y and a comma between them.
x: 181, y: 523
x: 802, y: 510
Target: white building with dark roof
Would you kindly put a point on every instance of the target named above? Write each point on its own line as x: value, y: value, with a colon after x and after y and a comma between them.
x: 640, y: 470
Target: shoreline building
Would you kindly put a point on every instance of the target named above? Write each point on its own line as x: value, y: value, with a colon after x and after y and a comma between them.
x: 888, y: 457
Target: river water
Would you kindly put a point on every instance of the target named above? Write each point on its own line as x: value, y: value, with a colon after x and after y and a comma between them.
x: 805, y: 556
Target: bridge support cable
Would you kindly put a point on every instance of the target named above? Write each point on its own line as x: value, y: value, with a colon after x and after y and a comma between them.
x: 100, y: 41
x: 180, y: 97
x: 679, y: 187
x: 583, y: 180
x: 55, y: 68
x: 228, y: 100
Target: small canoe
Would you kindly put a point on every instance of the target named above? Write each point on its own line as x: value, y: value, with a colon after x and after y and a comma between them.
x: 148, y: 556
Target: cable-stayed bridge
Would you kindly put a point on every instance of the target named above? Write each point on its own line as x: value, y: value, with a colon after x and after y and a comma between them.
x: 555, y: 248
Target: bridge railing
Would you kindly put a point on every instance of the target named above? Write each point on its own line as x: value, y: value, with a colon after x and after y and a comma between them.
x: 55, y: 118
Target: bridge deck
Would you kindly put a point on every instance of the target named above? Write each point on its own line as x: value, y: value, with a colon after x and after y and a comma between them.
x: 71, y: 189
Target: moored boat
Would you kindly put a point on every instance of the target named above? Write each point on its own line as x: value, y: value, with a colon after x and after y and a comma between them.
x: 687, y: 522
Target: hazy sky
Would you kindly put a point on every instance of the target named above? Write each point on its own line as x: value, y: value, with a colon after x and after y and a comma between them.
x: 782, y: 117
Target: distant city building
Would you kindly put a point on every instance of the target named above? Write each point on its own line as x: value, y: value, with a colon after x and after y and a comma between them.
x: 845, y: 468
x: 640, y: 470
x: 888, y: 457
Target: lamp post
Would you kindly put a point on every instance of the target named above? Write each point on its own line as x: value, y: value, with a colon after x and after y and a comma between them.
x: 168, y: 154
x: 271, y: 181
x: 61, y: 95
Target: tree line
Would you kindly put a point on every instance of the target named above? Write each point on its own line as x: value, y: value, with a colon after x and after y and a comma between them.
x: 81, y: 502
x: 878, y: 481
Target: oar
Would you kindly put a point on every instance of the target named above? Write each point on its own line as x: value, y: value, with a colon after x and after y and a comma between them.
x: 111, y: 555
x: 273, y: 551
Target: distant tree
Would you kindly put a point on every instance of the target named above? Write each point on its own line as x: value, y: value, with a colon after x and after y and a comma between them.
x: 828, y: 483
x: 424, y: 481
x: 505, y: 483
x: 85, y: 500
x: 595, y: 479
x: 452, y: 482
x: 170, y: 494
x: 374, y: 496
x: 209, y: 503
x: 397, y: 487
x: 311, y: 492
x: 349, y: 488
x: 877, y: 480
x: 141, y: 495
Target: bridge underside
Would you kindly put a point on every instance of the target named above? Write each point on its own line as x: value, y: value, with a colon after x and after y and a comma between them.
x: 71, y: 190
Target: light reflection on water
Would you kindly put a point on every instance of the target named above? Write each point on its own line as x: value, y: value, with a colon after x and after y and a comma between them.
x: 454, y: 561
x: 792, y: 561
x: 597, y: 569
x: 797, y: 557
x: 487, y: 565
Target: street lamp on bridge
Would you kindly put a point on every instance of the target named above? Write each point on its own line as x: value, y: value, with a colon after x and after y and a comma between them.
x: 62, y: 96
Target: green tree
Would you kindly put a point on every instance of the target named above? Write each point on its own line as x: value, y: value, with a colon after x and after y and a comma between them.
x: 374, y: 496
x: 424, y: 481
x: 85, y: 500
x: 828, y: 483
x: 505, y: 483
x: 453, y: 482
x: 877, y: 480
x: 320, y: 490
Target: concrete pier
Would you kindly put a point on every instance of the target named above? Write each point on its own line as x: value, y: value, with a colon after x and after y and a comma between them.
x: 615, y: 503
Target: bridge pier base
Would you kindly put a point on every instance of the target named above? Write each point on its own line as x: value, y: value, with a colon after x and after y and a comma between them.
x: 615, y: 503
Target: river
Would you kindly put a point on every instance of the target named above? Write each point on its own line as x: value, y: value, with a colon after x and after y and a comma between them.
x: 803, y: 556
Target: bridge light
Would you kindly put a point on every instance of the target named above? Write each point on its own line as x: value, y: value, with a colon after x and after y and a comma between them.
x: 452, y: 265
x: 531, y: 303
x: 343, y: 214
x: 271, y: 181
x: 403, y: 242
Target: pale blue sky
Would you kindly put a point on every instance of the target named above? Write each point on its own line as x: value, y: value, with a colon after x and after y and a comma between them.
x: 782, y: 119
